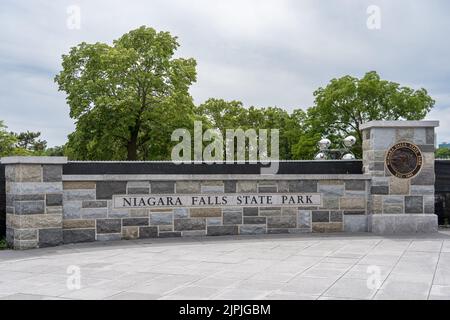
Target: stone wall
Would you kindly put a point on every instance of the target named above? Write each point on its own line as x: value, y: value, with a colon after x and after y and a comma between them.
x: 88, y: 214
x: 2, y: 202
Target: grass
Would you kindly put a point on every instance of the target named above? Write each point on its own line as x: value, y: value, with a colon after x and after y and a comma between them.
x: 3, y: 245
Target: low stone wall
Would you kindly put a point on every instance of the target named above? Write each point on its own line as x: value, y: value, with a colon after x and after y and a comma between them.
x: 88, y: 213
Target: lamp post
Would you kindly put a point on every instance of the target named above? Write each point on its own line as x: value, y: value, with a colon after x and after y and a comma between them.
x: 342, y: 153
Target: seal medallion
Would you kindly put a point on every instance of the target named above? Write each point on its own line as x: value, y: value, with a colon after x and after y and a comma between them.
x: 404, y: 160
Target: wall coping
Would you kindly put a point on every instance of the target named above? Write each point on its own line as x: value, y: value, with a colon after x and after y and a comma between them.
x: 178, y: 177
x: 33, y: 160
x: 399, y: 124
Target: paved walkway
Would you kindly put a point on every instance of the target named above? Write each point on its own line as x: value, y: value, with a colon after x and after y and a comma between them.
x: 275, y: 267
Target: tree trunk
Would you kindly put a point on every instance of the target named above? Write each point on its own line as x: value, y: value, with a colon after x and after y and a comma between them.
x: 132, y: 147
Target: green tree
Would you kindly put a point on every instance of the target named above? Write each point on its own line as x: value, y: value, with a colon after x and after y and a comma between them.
x: 443, y: 153
x: 30, y: 141
x: 123, y: 97
x: 7, y: 141
x: 345, y: 103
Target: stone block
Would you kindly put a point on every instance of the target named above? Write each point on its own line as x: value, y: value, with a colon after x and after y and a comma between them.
x: 25, y: 234
x: 29, y: 207
x: 428, y: 204
x: 94, y: 204
x: 331, y: 190
x: 230, y: 186
x: 222, y: 230
x: 129, y: 222
x: 379, y: 190
x: 78, y: 235
x: 148, y: 232
x: 180, y: 213
x: 232, y: 217
x: 352, y: 203
x: 427, y: 148
x: 162, y: 187
x: 79, y: 195
x: 33, y: 187
x: 25, y: 244
x: 329, y: 227
x: 383, y: 224
x: 250, y: 212
x: 330, y: 202
x: 52, y: 173
x: 429, y: 136
x: 94, y: 213
x: 383, y: 138
x: 78, y: 224
x: 336, y: 216
x: 427, y: 223
x: 35, y: 221
x: 109, y: 226
x: 72, y: 185
x: 172, y: 234
x: 246, y: 186
x: 212, y: 189
x: 267, y: 188
x: 289, y: 211
x: 192, y: 187
x: 320, y: 216
x: 252, y: 229
x: 214, y: 221
x: 304, y: 218
x: 255, y: 220
x: 303, y: 186
x: 161, y: 218
x: 106, y: 189
x: 355, y: 223
x: 270, y: 211
x: 413, y: 204
x: 50, y: 237
x: 138, y: 213
x: 189, y: 224
x: 193, y: 233
x: 130, y: 233
x: 278, y: 231
x: 205, y: 212
x: 54, y: 199
x: 109, y: 237
x: 393, y: 204
x: 138, y: 190
x: 417, y: 190
x: 163, y: 228
x: 26, y: 173
x: 398, y: 186
x: 282, y: 222
x: 425, y: 177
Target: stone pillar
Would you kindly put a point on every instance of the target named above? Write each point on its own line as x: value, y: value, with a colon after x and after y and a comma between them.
x: 34, y: 197
x: 399, y: 155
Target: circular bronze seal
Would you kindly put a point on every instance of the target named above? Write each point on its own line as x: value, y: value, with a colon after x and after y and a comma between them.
x: 404, y: 160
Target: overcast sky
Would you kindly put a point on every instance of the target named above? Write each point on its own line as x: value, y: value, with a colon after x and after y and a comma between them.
x: 264, y: 53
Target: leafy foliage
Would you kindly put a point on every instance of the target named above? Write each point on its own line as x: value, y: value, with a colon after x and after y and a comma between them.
x: 442, y: 153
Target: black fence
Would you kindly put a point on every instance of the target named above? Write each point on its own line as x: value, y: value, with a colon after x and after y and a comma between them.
x: 2, y: 202
x: 161, y: 168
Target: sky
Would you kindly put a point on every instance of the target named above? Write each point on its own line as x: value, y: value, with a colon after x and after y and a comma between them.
x: 261, y: 52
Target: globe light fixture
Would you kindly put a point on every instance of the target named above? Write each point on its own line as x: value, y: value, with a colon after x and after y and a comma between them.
x: 349, y: 141
x: 342, y: 153
x: 348, y: 156
x: 324, y: 144
x: 320, y: 156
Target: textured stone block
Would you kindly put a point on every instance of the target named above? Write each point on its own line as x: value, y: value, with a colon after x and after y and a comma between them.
x: 232, y: 217
x: 161, y: 218
x: 54, y: 199
x: 180, y: 213
x: 54, y: 210
x: 162, y: 228
x: 417, y: 190
x: 130, y: 233
x: 320, y: 216
x: 189, y: 224
x: 425, y: 177
x: 352, y: 203
x: 246, y: 186
x: 222, y: 230
x: 29, y: 207
x: 267, y: 188
x: 330, y: 202
x: 205, y: 212
x: 331, y: 190
x: 322, y: 227
x: 148, y: 232
x: 173, y: 234
x: 109, y: 237
x: 230, y: 186
x: 193, y: 233
x: 214, y: 221
x: 94, y: 204
x: 398, y: 186
x: 383, y: 138
x: 109, y: 226
x: 25, y: 173
x: 94, y: 213
x: 255, y: 220
x: 336, y: 216
x: 282, y: 222
x: 429, y: 136
x: 270, y: 211
x: 128, y: 222
x: 50, y: 237
x: 106, y: 189
x: 138, y: 190
x: 25, y: 244
x: 77, y: 236
x: 413, y: 204
x: 379, y: 190
x: 162, y: 187
x: 79, y: 224
x: 252, y: 229
x: 79, y: 195
x: 212, y: 189
x: 138, y: 213
x: 278, y: 231
x: 188, y: 187
x: 52, y: 173
x: 71, y: 185
x: 355, y: 223
x: 303, y: 186
x: 428, y: 204
x: 33, y: 187
x: 427, y: 223
x: 25, y: 234
x: 289, y: 211
x: 393, y: 204
x: 304, y: 218
x: 250, y: 212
